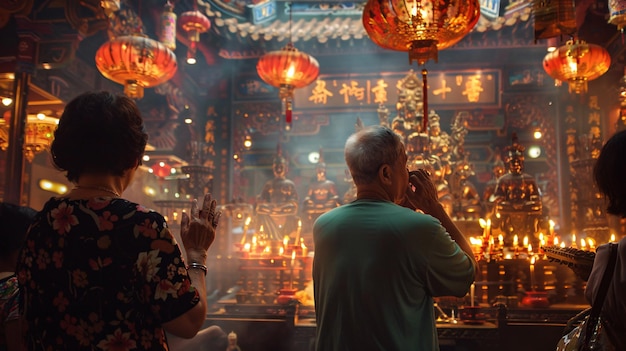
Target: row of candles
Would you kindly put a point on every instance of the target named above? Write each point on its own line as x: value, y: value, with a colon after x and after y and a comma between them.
x: 260, y: 246
x: 486, y: 246
x: 487, y: 243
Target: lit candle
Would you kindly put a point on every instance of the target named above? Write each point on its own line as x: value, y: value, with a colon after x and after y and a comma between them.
x: 500, y: 240
x: 286, y: 241
x: 304, y: 248
x: 530, y: 249
x: 485, y: 224
x: 574, y: 240
x: 245, y: 230
x: 532, y: 274
x: 515, y: 241
x: 612, y: 238
x: 254, y: 242
x: 591, y: 243
x: 525, y: 241
x: 555, y: 241
x: 298, y: 230
x: 472, y: 288
x: 293, y: 261
x: 583, y: 244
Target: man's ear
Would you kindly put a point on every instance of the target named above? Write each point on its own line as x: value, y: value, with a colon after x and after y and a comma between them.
x: 384, y: 173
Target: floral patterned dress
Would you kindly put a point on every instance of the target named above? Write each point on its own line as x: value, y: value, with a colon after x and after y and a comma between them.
x: 101, y: 274
x: 8, y: 306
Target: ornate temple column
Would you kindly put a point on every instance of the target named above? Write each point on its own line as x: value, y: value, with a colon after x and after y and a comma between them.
x: 26, y: 57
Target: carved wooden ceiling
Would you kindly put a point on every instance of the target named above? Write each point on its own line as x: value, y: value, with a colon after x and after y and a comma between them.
x: 70, y: 31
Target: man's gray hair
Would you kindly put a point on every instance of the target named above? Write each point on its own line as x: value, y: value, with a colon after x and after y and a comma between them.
x: 370, y: 148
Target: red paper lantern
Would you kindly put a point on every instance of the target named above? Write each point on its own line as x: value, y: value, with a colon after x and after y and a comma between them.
x: 161, y: 169
x: 194, y: 23
x: 577, y: 62
x: 421, y: 27
x: 137, y: 62
x: 288, y: 69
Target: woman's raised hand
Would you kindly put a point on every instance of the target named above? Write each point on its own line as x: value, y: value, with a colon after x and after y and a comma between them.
x: 198, y: 232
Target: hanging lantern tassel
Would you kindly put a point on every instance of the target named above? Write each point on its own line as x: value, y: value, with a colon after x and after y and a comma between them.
x: 425, y: 99
x: 288, y: 107
x: 286, y: 97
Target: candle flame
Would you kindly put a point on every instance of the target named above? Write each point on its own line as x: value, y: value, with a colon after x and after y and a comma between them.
x: 482, y: 223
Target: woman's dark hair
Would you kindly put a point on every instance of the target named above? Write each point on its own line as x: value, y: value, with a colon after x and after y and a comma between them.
x: 14, y: 222
x: 99, y: 132
x: 609, y: 172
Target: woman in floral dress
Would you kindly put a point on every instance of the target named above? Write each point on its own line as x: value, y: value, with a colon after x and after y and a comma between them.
x: 99, y: 272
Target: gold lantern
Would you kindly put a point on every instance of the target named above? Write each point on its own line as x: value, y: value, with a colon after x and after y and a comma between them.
x: 577, y: 62
x: 617, y: 13
x: 38, y: 134
x: 421, y: 27
x: 194, y: 23
x: 137, y: 62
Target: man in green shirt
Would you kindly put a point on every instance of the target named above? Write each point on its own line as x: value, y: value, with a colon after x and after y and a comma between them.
x: 381, y: 259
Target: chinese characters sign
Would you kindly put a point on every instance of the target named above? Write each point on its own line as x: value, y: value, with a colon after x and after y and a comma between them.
x: 449, y: 89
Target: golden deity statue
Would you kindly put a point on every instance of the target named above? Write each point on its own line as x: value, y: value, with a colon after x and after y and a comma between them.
x: 517, y: 198
x: 277, y: 204
x: 419, y: 157
x: 322, y: 195
x: 427, y: 149
x: 466, y: 204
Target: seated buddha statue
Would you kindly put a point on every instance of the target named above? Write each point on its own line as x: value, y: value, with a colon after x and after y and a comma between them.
x: 517, y: 198
x: 277, y: 204
x: 322, y: 194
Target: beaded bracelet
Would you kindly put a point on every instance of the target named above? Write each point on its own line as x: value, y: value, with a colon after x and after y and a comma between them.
x: 198, y: 266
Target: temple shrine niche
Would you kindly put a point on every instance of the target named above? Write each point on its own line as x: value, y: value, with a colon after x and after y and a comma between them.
x: 277, y: 204
x: 516, y: 199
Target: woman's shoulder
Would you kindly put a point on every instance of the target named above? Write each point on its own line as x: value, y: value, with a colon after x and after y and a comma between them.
x: 109, y: 206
